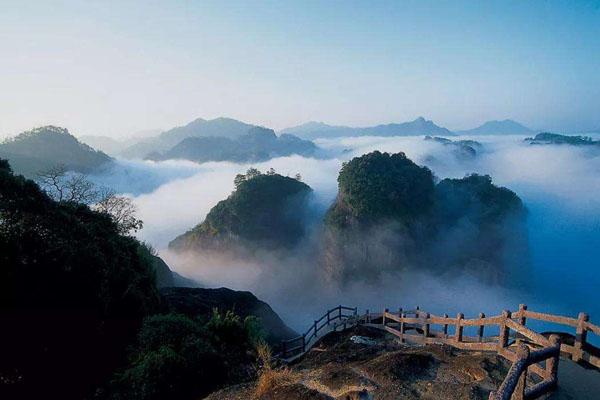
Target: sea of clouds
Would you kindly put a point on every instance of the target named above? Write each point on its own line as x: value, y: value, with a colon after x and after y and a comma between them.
x: 560, y: 186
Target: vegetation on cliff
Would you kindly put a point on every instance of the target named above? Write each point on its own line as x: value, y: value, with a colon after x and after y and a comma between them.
x: 379, y: 186
x: 390, y: 215
x: 195, y: 302
x: 263, y: 211
x: 74, y: 292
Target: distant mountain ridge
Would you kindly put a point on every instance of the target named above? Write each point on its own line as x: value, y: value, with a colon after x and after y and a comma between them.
x: 218, y: 127
x: 544, y: 138
x: 48, y: 146
x: 504, y: 127
x: 420, y: 126
x: 259, y: 144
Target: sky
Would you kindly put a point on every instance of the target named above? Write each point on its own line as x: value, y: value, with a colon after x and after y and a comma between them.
x: 117, y: 67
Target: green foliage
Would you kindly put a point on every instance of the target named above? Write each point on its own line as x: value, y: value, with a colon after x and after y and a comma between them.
x: 157, y: 374
x: 458, y: 223
x: 66, y: 271
x: 476, y: 198
x: 381, y: 186
x: 179, y: 357
x: 229, y: 328
x: 264, y: 208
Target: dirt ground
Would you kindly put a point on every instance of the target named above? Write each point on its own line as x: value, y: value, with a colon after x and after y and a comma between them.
x: 339, y: 368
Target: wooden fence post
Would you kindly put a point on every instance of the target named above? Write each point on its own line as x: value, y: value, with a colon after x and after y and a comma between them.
x: 426, y: 327
x: 367, y: 317
x: 304, y: 343
x: 399, y: 313
x: 552, y: 363
x: 580, y: 336
x: 522, y: 309
x: 519, y: 393
x: 385, y: 310
x: 402, y: 327
x: 503, y: 338
x: 458, y: 333
x: 445, y: 328
x: 480, y: 331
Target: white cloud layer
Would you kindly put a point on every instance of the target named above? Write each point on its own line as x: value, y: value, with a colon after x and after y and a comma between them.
x: 560, y: 185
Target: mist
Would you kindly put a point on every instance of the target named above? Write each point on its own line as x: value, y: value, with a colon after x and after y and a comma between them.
x: 559, y: 185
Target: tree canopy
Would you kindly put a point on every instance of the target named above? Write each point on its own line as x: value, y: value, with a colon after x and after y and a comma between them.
x: 380, y: 186
x: 264, y: 208
x: 71, y: 287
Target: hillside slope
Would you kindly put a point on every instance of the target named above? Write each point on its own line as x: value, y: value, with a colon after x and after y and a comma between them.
x: 201, y: 302
x: 265, y: 211
x: 49, y: 146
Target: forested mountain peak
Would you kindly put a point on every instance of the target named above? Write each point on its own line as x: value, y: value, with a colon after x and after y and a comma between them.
x: 45, y: 147
x: 265, y: 209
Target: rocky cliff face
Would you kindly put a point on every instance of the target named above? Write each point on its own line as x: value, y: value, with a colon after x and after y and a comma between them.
x: 390, y: 215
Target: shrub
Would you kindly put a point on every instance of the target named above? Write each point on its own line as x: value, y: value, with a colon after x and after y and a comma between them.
x: 179, y: 357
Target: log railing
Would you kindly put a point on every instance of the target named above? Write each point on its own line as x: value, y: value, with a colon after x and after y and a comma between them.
x: 534, y: 357
x: 540, y: 363
x: 341, y: 316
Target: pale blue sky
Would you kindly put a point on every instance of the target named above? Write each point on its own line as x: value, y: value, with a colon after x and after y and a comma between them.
x: 117, y: 67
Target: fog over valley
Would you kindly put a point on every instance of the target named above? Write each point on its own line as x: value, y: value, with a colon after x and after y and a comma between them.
x: 559, y: 185
x: 299, y: 200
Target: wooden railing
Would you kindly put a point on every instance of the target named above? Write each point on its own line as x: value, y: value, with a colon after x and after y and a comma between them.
x: 534, y: 357
x: 541, y: 362
x: 338, y: 316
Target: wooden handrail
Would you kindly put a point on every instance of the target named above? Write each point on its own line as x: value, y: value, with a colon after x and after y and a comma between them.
x: 512, y: 325
x: 330, y: 316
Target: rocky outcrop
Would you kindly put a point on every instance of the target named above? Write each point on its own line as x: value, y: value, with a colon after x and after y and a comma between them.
x: 266, y: 211
x: 198, y: 301
x: 463, y: 150
x: 340, y: 368
x: 391, y: 216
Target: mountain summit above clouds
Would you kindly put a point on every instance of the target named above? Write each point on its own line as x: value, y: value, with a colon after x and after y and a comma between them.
x: 218, y: 127
x: 504, y: 127
x: 419, y: 126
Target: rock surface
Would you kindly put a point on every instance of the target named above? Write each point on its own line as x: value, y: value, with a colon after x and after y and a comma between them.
x: 338, y: 368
